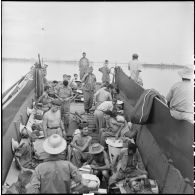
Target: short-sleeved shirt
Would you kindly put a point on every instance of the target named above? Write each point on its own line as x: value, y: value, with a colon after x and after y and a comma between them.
x: 64, y: 92
x: 181, y: 97
x: 107, y: 105
x: 134, y: 66
x: 105, y: 71
x: 54, y: 177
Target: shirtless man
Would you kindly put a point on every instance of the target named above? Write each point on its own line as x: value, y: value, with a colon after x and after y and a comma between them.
x: 79, y: 146
x: 52, y: 123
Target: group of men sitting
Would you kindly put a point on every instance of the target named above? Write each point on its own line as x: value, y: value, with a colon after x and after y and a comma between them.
x: 54, y: 175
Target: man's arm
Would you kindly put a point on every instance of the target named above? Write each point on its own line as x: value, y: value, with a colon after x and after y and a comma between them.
x: 45, y: 124
x: 84, y: 77
x: 34, y: 186
x: 169, y: 97
x: 106, y: 166
x: 63, y: 128
x: 83, y: 148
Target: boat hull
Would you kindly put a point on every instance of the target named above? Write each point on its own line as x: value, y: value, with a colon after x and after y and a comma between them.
x: 172, y: 139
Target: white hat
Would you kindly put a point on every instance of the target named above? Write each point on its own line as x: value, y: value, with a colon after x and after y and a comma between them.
x: 186, y: 73
x: 55, y: 144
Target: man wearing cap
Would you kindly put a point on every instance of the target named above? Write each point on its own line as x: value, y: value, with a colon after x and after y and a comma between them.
x: 89, y: 84
x: 99, y: 161
x: 79, y: 146
x: 52, y: 123
x: 105, y: 70
x: 83, y: 65
x: 54, y: 175
x: 180, y: 97
x: 134, y: 67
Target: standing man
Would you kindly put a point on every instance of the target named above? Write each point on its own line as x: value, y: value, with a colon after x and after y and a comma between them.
x: 135, y: 68
x: 65, y: 95
x: 89, y: 83
x: 83, y: 65
x: 52, y: 123
x: 54, y: 175
x: 180, y: 97
x: 105, y: 70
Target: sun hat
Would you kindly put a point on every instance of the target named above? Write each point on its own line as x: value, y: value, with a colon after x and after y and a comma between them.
x: 95, y: 148
x: 54, y: 144
x: 186, y: 73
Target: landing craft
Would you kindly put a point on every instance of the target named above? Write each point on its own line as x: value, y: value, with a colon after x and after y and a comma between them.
x: 165, y: 144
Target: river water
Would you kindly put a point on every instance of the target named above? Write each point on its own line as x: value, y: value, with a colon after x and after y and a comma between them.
x: 156, y: 78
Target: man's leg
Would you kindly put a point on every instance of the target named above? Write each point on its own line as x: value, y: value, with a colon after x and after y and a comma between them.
x: 86, y: 97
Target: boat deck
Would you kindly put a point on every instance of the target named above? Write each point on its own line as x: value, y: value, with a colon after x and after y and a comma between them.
x: 13, y: 173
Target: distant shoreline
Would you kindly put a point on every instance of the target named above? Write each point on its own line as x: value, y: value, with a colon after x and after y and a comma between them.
x: 145, y: 65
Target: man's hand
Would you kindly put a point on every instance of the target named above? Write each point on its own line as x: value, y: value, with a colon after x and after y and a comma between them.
x: 93, y: 166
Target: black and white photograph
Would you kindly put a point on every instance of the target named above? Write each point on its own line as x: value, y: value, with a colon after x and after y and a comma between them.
x: 97, y: 97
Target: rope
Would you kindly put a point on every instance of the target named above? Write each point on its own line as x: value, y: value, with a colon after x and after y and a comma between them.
x: 143, y: 105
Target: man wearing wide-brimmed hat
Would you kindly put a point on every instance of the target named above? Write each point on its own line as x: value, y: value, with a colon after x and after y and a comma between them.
x: 99, y: 161
x: 52, y: 123
x: 54, y: 175
x: 180, y: 97
x: 105, y: 70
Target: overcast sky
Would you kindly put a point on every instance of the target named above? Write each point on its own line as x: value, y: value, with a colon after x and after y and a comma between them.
x: 157, y: 31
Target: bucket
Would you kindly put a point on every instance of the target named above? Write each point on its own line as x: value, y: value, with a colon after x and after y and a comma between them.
x: 114, y: 147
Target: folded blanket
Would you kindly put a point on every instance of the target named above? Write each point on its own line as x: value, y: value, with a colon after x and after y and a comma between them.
x: 142, y: 109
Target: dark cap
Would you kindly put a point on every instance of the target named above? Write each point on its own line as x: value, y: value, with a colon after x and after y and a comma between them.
x: 56, y: 102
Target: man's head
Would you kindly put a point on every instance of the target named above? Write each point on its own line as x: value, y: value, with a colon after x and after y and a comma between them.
x: 76, y: 76
x: 109, y: 87
x: 84, y: 54
x: 135, y: 56
x: 55, y: 105
x: 84, y: 128
x: 54, y: 83
x: 65, y: 83
x: 136, y: 186
x: 106, y: 62
x: 132, y: 148
x: 46, y: 88
x: 90, y: 70
x: 186, y: 74
x: 65, y: 77
x: 68, y: 77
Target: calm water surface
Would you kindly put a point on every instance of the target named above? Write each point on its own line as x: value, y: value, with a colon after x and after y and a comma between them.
x: 159, y: 79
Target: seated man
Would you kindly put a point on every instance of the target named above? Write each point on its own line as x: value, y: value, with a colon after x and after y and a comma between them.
x: 54, y: 175
x: 112, y: 127
x: 127, y: 164
x: 45, y: 99
x: 52, y: 122
x: 99, y: 161
x: 79, y: 146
